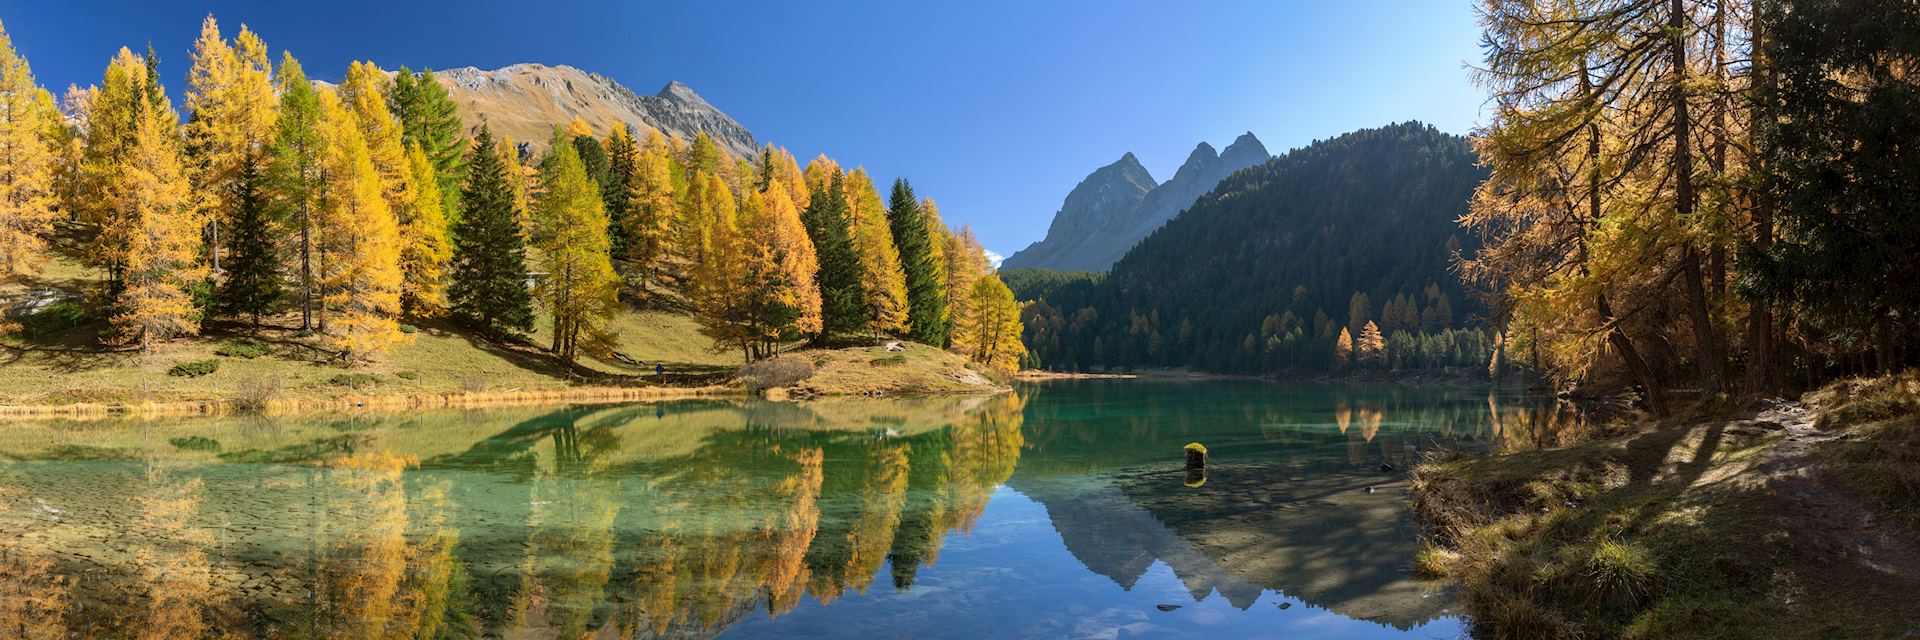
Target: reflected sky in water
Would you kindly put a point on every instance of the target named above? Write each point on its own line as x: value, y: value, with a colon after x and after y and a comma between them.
x: 1058, y: 511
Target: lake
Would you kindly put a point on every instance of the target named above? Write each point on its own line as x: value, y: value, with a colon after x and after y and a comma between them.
x: 1060, y: 510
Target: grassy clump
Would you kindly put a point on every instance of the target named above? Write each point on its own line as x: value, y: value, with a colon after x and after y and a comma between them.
x: 246, y: 349
x: 782, y: 371
x: 408, y: 375
x: 194, y: 368
x: 353, y: 380
x: 1884, y: 459
x: 195, y: 443
x: 889, y: 361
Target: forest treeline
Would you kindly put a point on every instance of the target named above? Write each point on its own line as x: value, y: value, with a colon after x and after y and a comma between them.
x: 1702, y: 194
x: 360, y: 206
x: 1333, y: 257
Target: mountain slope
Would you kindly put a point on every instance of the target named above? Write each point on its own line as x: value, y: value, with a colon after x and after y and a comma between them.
x: 526, y: 101
x: 1259, y: 275
x: 1101, y: 218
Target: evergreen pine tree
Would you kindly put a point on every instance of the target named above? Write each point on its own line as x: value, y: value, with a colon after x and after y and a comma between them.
x: 489, y: 288
x: 253, y: 286
x: 623, y: 154
x: 429, y: 118
x: 926, y: 291
x: 294, y: 172
x: 842, y: 310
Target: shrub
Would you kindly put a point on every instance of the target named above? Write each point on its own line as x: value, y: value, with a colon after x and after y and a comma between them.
x: 408, y: 375
x: 784, y: 371
x: 352, y: 380
x: 255, y: 393
x: 247, y: 349
x: 889, y: 361
x: 56, y: 317
x: 195, y: 443
x: 194, y: 368
x: 407, y: 328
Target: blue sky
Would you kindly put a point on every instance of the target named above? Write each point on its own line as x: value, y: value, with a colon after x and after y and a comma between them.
x: 994, y: 108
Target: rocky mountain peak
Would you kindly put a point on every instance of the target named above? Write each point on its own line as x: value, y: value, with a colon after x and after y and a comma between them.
x: 526, y: 100
x: 1245, y: 151
x: 1203, y: 154
x: 679, y: 92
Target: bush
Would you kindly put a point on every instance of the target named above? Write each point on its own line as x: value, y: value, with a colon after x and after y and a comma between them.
x: 783, y: 371
x: 889, y: 361
x: 407, y: 328
x: 194, y: 368
x: 56, y: 317
x: 247, y: 349
x: 408, y: 375
x: 255, y: 393
x: 195, y: 443
x: 352, y: 380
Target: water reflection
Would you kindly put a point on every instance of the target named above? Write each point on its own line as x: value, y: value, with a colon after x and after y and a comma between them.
x: 692, y: 519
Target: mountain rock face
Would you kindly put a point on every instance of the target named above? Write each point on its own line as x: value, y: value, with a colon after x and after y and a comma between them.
x: 526, y: 101
x: 1104, y: 216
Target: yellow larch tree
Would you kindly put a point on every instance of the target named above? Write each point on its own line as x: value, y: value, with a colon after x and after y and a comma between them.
x: 1371, y: 347
x: 424, y: 247
x: 359, y: 242
x: 965, y: 262
x: 886, y: 283
x: 112, y: 114
x: 27, y: 163
x: 650, y: 225
x: 156, y: 228
x: 580, y: 291
x: 364, y: 94
x: 779, y: 247
x: 989, y: 333
x: 233, y: 106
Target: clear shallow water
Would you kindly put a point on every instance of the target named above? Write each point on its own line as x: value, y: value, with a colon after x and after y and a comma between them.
x: 1059, y: 511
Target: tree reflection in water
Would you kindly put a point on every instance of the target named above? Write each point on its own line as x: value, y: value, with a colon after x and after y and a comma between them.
x: 683, y: 519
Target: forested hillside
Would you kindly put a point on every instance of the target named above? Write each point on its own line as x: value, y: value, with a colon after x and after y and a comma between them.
x: 1335, y: 255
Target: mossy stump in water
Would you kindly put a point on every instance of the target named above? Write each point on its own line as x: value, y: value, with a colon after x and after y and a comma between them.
x: 1196, y: 464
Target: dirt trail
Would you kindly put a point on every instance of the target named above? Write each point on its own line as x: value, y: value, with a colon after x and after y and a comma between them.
x: 1828, y: 520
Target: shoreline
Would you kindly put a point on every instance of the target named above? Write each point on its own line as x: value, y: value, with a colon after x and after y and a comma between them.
x: 368, y: 403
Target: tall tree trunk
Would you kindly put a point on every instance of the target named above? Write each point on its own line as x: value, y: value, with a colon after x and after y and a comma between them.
x: 1630, y: 356
x: 1708, y: 352
x: 1762, y: 376
x: 306, y: 268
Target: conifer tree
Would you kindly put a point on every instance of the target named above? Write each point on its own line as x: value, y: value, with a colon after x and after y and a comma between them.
x: 840, y: 277
x: 616, y: 191
x: 364, y: 94
x: 648, y: 224
x: 990, y: 334
x: 253, y: 286
x: 886, y: 284
x: 155, y: 227
x: 966, y: 262
x: 580, y: 291
x: 424, y: 248
x: 1371, y: 347
x: 231, y: 104
x: 113, y: 116
x: 360, y: 275
x: 1343, y: 349
x: 294, y: 174
x: 27, y: 164
x: 429, y: 118
x: 488, y: 288
x: 926, y: 293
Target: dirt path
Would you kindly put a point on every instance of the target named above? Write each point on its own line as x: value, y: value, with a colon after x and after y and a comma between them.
x: 1829, y: 521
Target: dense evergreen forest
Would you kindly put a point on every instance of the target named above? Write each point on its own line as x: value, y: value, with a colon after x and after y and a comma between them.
x: 1336, y: 256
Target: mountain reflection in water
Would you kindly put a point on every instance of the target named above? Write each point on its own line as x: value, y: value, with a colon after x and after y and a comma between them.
x: 697, y: 519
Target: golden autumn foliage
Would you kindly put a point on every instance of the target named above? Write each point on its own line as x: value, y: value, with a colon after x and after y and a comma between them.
x: 649, y: 227
x: 581, y: 290
x: 28, y: 162
x: 989, y: 331
x: 886, y: 287
x: 112, y: 112
x: 155, y: 231
x: 359, y: 244
x: 230, y: 95
x: 424, y: 247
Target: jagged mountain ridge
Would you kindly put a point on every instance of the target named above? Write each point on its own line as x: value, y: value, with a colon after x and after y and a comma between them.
x: 1119, y: 204
x: 525, y: 101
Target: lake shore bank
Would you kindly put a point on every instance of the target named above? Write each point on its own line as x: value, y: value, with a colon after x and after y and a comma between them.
x: 1796, y: 517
